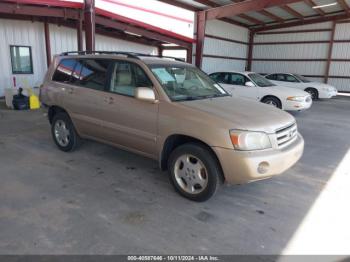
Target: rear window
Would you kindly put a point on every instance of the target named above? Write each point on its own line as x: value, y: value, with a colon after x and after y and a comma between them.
x: 64, y: 70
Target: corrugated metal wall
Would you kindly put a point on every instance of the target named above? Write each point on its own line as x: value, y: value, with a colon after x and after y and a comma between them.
x: 24, y: 33
x: 62, y: 39
x: 218, y: 54
x: 273, y: 49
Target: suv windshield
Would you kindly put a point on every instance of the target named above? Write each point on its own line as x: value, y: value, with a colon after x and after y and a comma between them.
x: 260, y: 80
x: 186, y: 83
x: 302, y: 78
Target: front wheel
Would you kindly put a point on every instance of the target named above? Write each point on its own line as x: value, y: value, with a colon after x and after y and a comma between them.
x: 273, y: 101
x: 313, y: 92
x: 194, y: 171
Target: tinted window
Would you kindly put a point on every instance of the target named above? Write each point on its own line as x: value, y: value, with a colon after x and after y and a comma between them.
x: 272, y: 77
x: 126, y: 77
x: 290, y: 78
x: 280, y: 78
x: 238, y: 79
x: 93, y: 73
x: 21, y: 59
x: 64, y: 70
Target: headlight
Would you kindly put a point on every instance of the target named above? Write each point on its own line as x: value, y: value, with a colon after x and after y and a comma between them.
x: 246, y: 140
x: 296, y: 98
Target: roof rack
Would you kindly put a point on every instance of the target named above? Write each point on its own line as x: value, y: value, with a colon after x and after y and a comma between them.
x: 128, y: 54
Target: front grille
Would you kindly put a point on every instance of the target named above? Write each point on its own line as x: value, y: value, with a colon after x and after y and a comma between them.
x: 286, y: 134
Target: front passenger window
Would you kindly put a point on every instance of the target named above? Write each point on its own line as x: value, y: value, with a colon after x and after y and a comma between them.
x: 126, y: 77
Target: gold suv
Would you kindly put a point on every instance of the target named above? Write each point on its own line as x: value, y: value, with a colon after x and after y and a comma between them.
x: 170, y: 111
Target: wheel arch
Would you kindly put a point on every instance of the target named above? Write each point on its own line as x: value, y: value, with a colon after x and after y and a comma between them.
x: 273, y: 96
x: 53, y: 110
x: 176, y: 140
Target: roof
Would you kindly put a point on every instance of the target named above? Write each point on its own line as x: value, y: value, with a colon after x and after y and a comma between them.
x: 66, y: 12
x: 276, y: 16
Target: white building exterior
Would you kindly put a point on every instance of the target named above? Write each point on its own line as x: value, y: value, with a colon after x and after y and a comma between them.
x: 27, y: 33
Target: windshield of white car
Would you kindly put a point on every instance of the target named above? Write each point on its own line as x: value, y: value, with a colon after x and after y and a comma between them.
x: 259, y: 80
x: 184, y: 83
x: 302, y: 78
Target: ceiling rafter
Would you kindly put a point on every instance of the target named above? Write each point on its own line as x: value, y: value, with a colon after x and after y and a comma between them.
x: 243, y: 16
x: 292, y: 11
x: 344, y: 5
x: 265, y: 13
x: 312, y: 4
x: 244, y: 7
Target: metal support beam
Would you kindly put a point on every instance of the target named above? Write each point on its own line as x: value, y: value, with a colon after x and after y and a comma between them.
x: 330, y: 51
x: 250, y: 51
x: 80, y: 33
x: 47, y: 43
x: 89, y: 19
x: 189, y: 55
x: 244, y: 7
x: 201, y: 22
x: 160, y: 50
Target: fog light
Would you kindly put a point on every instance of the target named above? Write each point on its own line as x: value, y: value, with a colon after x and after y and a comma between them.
x: 263, y: 167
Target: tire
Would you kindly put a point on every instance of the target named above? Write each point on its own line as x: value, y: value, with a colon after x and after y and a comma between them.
x: 194, y: 172
x: 63, y: 132
x: 313, y: 92
x: 271, y: 100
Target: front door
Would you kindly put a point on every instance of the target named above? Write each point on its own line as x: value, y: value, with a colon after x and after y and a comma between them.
x: 129, y: 122
x: 238, y: 81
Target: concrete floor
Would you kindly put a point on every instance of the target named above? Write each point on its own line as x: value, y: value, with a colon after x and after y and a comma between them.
x: 101, y: 200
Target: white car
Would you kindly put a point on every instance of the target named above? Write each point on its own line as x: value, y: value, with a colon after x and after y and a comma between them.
x: 253, y: 86
x: 315, y: 89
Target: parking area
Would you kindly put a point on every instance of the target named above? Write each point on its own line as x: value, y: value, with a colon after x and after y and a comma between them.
x: 101, y: 200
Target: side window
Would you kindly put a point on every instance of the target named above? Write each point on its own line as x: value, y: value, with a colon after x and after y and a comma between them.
x: 280, y: 77
x: 126, y: 77
x: 272, y: 77
x: 93, y: 73
x: 64, y: 70
x: 215, y: 76
x: 238, y: 79
x: 290, y: 78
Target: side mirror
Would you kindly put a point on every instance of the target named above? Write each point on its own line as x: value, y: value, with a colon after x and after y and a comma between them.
x: 249, y: 84
x: 145, y: 94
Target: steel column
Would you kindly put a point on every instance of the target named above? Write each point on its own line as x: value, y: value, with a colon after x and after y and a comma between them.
x: 189, y: 55
x: 201, y: 22
x: 47, y: 43
x: 160, y: 51
x: 89, y: 19
x: 80, y: 33
x: 330, y: 50
x: 250, y: 51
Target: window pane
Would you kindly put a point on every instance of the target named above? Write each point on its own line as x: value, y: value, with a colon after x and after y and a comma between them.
x: 237, y: 79
x: 94, y: 73
x: 64, y: 70
x: 290, y: 78
x: 127, y: 77
x: 21, y: 60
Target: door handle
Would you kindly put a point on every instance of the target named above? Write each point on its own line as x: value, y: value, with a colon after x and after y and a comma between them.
x: 109, y: 100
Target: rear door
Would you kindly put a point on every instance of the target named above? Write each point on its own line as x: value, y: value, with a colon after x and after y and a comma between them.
x: 85, y: 96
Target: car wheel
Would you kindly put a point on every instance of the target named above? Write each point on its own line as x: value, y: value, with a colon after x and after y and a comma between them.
x: 63, y: 132
x: 273, y: 101
x: 313, y: 92
x: 194, y: 172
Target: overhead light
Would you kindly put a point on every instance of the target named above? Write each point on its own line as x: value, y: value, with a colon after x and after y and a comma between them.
x: 130, y: 33
x: 326, y: 5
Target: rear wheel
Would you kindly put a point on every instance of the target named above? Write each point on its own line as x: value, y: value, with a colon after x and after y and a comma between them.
x: 313, y: 92
x: 194, y: 172
x: 63, y: 132
x: 273, y: 101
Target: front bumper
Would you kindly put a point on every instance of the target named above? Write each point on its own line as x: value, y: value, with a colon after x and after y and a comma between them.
x: 327, y: 94
x: 297, y: 106
x: 241, y: 167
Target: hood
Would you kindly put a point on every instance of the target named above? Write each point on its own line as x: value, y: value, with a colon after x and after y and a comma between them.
x: 286, y: 91
x: 243, y: 113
